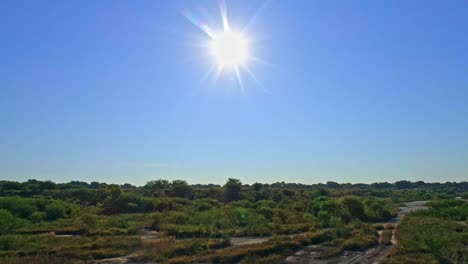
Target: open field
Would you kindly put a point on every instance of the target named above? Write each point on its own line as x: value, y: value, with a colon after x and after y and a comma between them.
x: 173, y: 222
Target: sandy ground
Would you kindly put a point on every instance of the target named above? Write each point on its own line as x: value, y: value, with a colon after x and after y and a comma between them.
x: 372, y: 255
x: 237, y: 241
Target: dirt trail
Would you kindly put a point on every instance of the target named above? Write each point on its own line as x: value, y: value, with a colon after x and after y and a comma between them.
x: 371, y: 255
x: 147, y: 234
x: 118, y: 260
x: 237, y: 241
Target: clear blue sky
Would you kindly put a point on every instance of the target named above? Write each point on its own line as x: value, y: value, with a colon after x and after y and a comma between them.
x: 360, y: 91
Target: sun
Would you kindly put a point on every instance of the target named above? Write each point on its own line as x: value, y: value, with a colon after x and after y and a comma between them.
x: 229, y: 49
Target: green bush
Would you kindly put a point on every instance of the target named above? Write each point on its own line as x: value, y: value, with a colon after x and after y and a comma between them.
x: 119, y: 222
x: 55, y: 211
x: 38, y: 216
x: 8, y: 222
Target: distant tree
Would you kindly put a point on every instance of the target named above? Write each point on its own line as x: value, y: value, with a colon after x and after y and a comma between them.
x: 79, y: 184
x: 361, y: 185
x: 231, y: 190
x: 157, y: 187
x: 288, y: 193
x: 127, y: 186
x: 115, y: 191
x: 332, y: 184
x: 116, y: 201
x: 102, y: 193
x: 83, y: 195
x: 419, y: 184
x: 261, y: 194
x: 403, y: 184
x: 94, y: 185
x: 257, y: 186
x: 46, y: 185
x: 381, y: 185
x: 322, y: 192
x: 181, y: 189
x: 11, y: 185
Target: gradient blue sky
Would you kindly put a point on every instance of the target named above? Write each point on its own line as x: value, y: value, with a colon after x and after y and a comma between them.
x: 360, y: 91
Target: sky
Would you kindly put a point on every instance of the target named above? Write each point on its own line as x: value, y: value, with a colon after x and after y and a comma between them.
x: 349, y: 91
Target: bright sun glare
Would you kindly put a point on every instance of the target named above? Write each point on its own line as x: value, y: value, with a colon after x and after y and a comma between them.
x: 229, y: 49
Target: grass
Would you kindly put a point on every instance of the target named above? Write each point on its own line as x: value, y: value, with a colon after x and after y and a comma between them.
x: 75, y: 248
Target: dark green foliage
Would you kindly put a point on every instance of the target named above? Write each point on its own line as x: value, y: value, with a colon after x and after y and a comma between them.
x: 351, y: 207
x: 376, y: 210
x: 8, y: 222
x: 451, y: 209
x: 231, y: 190
x: 181, y: 189
x: 55, y: 211
x: 36, y: 210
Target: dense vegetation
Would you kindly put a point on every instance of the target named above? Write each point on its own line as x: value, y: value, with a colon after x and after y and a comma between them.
x: 176, y: 222
x: 436, y: 235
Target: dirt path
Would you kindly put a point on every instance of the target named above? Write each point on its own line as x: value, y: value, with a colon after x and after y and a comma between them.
x: 117, y: 260
x: 147, y: 234
x: 238, y: 241
x: 371, y: 255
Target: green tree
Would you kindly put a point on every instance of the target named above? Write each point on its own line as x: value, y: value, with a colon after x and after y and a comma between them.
x: 181, y: 189
x: 231, y: 190
x: 351, y: 207
x: 157, y: 187
x: 55, y: 211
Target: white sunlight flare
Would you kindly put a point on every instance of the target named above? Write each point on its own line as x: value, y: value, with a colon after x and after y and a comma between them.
x: 228, y: 48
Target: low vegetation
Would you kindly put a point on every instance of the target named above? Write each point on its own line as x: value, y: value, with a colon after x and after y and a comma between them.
x: 174, y: 222
x: 436, y: 235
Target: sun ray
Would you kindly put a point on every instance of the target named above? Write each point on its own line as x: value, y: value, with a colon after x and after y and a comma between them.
x: 217, y: 73
x: 208, y: 73
x: 254, y: 17
x: 239, y: 79
x: 246, y: 68
x: 262, y: 61
x: 223, y: 9
x: 200, y: 24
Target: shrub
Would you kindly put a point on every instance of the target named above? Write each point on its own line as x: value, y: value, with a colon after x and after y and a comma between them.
x: 89, y: 221
x: 359, y: 242
x: 55, y: 211
x: 8, y: 222
x: 37, y: 216
x: 119, y: 222
x: 157, y: 220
